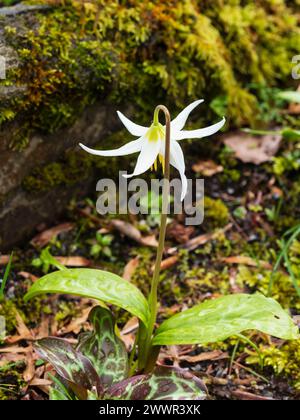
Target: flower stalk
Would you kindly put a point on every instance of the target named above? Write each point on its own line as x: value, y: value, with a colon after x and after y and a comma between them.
x: 162, y: 234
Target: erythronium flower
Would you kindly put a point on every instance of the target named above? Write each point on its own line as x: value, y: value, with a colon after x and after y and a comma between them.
x: 151, y: 143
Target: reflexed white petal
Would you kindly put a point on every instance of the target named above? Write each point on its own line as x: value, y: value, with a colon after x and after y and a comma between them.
x: 134, y: 129
x: 179, y: 122
x: 147, y: 157
x: 201, y: 132
x: 127, y: 149
x: 177, y: 160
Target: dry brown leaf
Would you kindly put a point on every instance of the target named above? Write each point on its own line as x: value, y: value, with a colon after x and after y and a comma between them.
x: 46, y: 236
x: 203, y: 239
x: 133, y: 233
x: 130, y: 325
x: 244, y: 395
x: 27, y: 275
x: 251, y: 149
x: 149, y: 241
x: 29, y: 371
x: 4, y: 259
x: 207, y: 168
x: 74, y: 261
x: 130, y: 268
x: 76, y: 324
x: 167, y: 263
x: 43, y: 328
x: 11, y: 357
x: 40, y: 382
x: 21, y: 327
x: 242, y: 259
x: 179, y: 232
x: 128, y: 332
x: 15, y: 349
x: 209, y: 355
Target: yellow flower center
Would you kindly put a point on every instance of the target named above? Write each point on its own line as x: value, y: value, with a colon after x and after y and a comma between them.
x: 156, y: 132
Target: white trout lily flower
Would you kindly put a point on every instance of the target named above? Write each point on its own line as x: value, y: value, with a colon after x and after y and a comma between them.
x: 151, y: 143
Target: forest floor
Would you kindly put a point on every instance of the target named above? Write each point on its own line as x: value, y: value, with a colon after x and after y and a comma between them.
x: 251, y: 200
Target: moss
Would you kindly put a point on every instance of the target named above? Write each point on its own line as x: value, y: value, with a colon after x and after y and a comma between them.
x: 78, y: 52
x: 258, y: 279
x: 11, y: 381
x: 284, y: 360
x: 72, y: 168
x: 216, y: 213
x: 7, y: 310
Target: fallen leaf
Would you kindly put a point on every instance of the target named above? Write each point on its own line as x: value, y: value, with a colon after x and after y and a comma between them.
x: 242, y: 259
x: 43, y: 328
x: 29, y: 371
x: 21, y: 327
x: 27, y: 275
x: 133, y: 233
x: 46, y: 236
x: 149, y: 241
x: 244, y: 395
x: 167, y: 263
x: 128, y: 333
x: 209, y: 355
x: 15, y: 349
x: 40, y: 382
x: 11, y: 357
x: 76, y: 324
x: 207, y: 168
x: 4, y: 259
x: 179, y: 232
x: 130, y: 268
x: 253, y: 149
x: 130, y: 325
x: 206, y: 237
x: 74, y: 261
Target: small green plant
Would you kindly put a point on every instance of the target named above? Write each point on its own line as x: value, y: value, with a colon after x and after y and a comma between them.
x: 5, y: 277
x: 45, y: 261
x: 99, y: 368
x: 101, y: 245
x: 285, y: 243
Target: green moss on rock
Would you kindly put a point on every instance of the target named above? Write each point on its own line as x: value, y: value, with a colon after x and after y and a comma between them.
x: 146, y: 52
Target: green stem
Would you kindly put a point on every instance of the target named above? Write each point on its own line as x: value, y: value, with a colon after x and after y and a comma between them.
x: 162, y: 234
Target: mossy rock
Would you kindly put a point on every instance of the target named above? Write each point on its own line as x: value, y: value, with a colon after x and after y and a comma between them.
x: 73, y: 53
x: 70, y: 64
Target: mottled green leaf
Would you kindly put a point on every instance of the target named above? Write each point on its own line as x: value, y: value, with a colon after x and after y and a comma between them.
x: 96, y: 284
x: 105, y: 350
x: 218, y: 319
x: 163, y: 384
x: 57, y: 395
x: 71, y: 365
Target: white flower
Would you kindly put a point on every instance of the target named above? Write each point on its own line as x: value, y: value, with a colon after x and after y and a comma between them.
x: 151, y: 143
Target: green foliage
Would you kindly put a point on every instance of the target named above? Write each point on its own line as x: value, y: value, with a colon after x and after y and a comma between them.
x: 5, y: 277
x: 78, y: 52
x: 73, y: 367
x: 105, y: 350
x: 163, y: 384
x: 45, y: 261
x: 97, y: 369
x: 96, y: 284
x: 218, y: 319
x: 101, y: 245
